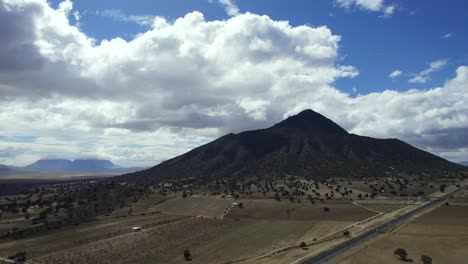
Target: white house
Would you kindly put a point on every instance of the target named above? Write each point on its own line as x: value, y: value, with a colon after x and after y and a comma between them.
x: 136, y: 229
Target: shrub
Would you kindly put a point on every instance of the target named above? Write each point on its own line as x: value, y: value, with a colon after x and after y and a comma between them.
x: 426, y: 259
x: 401, y: 253
x: 187, y: 255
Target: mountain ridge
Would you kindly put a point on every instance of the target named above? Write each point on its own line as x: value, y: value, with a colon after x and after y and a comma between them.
x: 66, y: 166
x: 307, y: 144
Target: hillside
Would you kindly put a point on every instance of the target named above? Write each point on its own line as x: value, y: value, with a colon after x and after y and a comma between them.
x: 307, y: 144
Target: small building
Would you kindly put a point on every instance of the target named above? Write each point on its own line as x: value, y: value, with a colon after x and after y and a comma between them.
x: 136, y: 229
x: 235, y: 204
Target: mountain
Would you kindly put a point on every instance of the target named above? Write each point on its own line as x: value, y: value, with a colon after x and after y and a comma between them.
x: 79, y: 165
x: 64, y: 166
x: 4, y: 169
x: 464, y: 163
x: 46, y: 165
x: 93, y: 165
x: 307, y: 144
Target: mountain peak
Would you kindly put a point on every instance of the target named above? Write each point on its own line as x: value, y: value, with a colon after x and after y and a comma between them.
x: 312, y: 122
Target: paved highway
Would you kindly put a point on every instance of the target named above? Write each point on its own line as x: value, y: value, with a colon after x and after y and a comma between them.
x: 327, y: 255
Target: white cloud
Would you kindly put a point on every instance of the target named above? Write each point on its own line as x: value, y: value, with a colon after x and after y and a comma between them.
x: 143, y: 20
x: 230, y: 7
x: 77, y: 17
x: 182, y: 83
x: 369, y: 5
x: 423, y: 76
x: 394, y: 74
x: 448, y: 35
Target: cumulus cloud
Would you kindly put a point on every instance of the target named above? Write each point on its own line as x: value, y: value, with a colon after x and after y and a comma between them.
x: 423, y: 76
x: 369, y: 5
x: 182, y: 83
x: 394, y: 74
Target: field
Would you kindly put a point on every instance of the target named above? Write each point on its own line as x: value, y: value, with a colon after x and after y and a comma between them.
x: 382, y: 207
x: 85, y: 233
x: 441, y: 234
x: 273, y: 210
x: 166, y: 236
x: 209, y: 241
x: 196, y: 206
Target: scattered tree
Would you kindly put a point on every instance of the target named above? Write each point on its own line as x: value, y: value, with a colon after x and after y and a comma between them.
x: 241, y: 205
x: 346, y: 233
x: 326, y: 209
x: 20, y: 257
x: 442, y: 187
x: 401, y: 253
x: 187, y: 255
x: 303, y: 245
x: 426, y: 259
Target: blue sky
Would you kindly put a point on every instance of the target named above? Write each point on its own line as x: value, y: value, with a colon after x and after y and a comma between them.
x: 416, y: 34
x: 138, y: 82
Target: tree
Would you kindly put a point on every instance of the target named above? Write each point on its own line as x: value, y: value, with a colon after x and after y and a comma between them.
x: 442, y: 187
x: 346, y: 233
x: 401, y: 253
x: 426, y: 259
x: 20, y: 257
x: 326, y: 209
x: 277, y: 197
x: 303, y: 244
x: 241, y: 205
x: 187, y: 255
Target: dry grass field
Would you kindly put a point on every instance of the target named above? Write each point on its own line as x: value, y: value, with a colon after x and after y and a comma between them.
x: 382, y: 207
x: 195, y: 206
x: 163, y: 244
x: 273, y: 210
x: 74, y: 236
x: 254, y: 238
x: 209, y: 241
x: 441, y: 234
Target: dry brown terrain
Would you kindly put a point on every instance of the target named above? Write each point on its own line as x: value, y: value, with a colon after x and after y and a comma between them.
x: 272, y: 210
x: 195, y: 206
x: 209, y: 241
x: 74, y: 236
x: 441, y: 234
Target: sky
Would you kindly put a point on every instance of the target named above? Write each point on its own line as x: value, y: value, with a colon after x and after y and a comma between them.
x: 139, y: 82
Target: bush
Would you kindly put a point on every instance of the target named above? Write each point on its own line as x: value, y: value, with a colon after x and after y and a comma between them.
x: 19, y: 257
x: 401, y: 253
x: 303, y: 244
x: 187, y: 255
x: 426, y: 259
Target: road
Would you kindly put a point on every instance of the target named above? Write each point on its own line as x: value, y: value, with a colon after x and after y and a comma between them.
x: 327, y: 255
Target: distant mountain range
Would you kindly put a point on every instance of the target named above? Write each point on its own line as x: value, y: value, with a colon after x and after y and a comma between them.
x: 464, y: 163
x: 64, y: 166
x: 307, y: 144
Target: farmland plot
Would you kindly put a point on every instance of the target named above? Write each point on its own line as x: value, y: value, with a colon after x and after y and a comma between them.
x: 258, y: 209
